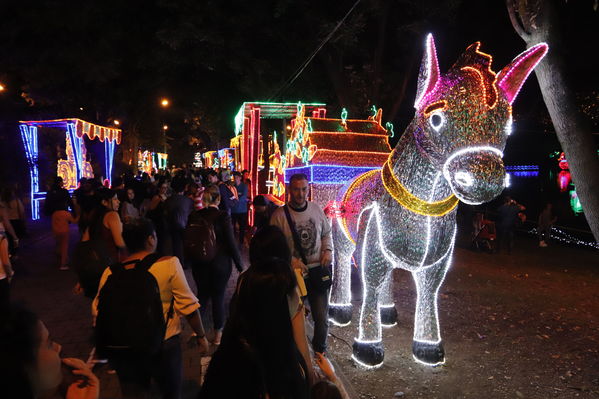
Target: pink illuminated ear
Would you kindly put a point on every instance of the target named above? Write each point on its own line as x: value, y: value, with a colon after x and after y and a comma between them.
x: 512, y: 77
x: 429, y: 72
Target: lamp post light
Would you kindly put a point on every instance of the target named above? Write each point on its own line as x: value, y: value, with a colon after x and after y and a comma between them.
x: 117, y: 122
x: 164, y: 102
x: 2, y: 88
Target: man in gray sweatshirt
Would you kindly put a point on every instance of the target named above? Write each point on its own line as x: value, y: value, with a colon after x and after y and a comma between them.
x: 314, y: 231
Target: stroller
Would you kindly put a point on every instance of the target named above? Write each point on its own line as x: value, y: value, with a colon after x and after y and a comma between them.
x: 484, y: 235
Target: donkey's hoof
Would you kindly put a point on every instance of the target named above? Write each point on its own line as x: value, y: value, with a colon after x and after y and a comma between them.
x: 428, y: 353
x: 388, y: 316
x: 340, y: 315
x: 368, y: 354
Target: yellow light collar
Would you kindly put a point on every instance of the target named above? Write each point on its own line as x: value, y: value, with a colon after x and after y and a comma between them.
x: 410, y: 201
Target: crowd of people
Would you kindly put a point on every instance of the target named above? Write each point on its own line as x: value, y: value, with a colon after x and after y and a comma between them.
x: 136, y: 239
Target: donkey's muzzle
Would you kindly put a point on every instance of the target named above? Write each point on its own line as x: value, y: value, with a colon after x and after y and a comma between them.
x: 475, y: 176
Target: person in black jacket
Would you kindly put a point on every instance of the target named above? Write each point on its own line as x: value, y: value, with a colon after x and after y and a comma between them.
x: 211, y: 277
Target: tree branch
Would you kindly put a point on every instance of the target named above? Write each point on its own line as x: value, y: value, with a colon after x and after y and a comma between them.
x: 516, y: 21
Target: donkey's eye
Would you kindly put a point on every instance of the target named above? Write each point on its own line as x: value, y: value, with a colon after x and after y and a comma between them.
x: 436, y: 120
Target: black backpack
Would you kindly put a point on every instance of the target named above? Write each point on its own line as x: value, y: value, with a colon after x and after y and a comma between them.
x: 130, y: 318
x: 199, y: 239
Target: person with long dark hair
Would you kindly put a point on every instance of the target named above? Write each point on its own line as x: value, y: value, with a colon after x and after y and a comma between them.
x: 31, y: 363
x: 268, y: 244
x: 105, y: 223
x: 258, y: 346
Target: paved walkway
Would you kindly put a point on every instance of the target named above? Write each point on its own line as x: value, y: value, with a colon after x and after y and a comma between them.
x: 48, y: 291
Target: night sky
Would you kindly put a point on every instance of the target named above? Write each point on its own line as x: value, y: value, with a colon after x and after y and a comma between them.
x: 116, y: 59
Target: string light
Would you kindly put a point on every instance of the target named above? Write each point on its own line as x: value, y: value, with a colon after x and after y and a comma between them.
x: 562, y: 236
x: 389, y: 127
x: 512, y: 77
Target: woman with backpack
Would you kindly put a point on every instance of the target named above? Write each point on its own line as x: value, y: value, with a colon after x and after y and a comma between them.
x: 211, y: 246
x: 138, y: 312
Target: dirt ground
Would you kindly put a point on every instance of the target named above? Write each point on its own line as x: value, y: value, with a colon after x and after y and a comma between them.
x: 524, y: 325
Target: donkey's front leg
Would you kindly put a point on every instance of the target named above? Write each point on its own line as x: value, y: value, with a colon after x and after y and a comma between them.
x: 368, y: 348
x: 340, y: 306
x: 428, y: 347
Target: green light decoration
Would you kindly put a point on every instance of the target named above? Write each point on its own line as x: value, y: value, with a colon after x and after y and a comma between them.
x: 343, y: 115
x: 575, y: 203
x: 374, y: 110
x: 309, y: 125
x: 389, y: 127
x: 305, y: 155
x: 268, y: 110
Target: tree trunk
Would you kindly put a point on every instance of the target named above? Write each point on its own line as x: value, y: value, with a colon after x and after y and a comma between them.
x: 538, y: 21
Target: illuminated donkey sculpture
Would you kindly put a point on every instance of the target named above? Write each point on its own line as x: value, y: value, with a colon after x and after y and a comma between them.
x: 403, y: 215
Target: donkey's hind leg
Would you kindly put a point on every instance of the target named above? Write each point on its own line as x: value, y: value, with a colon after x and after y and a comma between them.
x: 340, y: 306
x: 368, y: 347
x: 427, y: 346
x: 386, y: 303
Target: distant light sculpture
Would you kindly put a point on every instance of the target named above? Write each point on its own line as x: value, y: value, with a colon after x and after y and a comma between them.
x: 403, y: 215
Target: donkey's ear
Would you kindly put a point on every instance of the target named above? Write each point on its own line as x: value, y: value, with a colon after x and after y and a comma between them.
x: 429, y: 72
x: 512, y: 77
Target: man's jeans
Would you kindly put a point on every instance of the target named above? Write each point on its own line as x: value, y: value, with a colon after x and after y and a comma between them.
x: 319, y: 307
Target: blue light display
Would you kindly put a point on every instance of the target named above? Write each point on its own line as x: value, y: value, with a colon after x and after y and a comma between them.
x: 29, y: 135
x: 328, y: 174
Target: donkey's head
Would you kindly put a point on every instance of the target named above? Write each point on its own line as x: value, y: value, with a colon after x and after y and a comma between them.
x: 463, y: 117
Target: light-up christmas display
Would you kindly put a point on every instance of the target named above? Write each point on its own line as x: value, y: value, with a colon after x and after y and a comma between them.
x: 403, y: 215
x: 331, y: 152
x: 150, y: 162
x: 76, y: 165
x: 197, y: 160
x: 226, y: 158
x: 210, y: 159
x: 248, y: 128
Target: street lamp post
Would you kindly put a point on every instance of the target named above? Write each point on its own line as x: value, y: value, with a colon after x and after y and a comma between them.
x: 164, y: 129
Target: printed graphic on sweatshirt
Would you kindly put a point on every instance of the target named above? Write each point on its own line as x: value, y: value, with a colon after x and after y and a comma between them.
x: 307, y: 234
